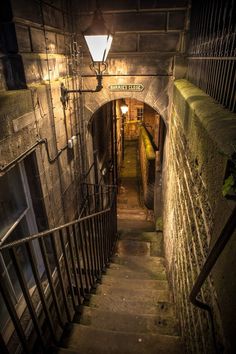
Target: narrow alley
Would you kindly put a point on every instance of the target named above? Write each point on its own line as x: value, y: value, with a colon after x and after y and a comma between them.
x: 132, y: 311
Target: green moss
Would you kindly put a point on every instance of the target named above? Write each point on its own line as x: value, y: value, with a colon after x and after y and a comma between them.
x: 159, y: 224
x: 150, y: 153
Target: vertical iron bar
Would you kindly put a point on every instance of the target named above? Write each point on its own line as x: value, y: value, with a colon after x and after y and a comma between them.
x: 50, y: 281
x: 67, y: 267
x: 38, y: 282
x: 73, y: 265
x: 101, y: 241
x: 107, y: 237
x: 93, y: 241
x: 27, y: 296
x: 88, y: 197
x: 232, y: 97
x: 13, y: 315
x: 60, y: 277
x: 227, y: 99
x: 95, y: 233
x: 77, y: 251
x: 88, y: 260
x: 88, y: 234
x: 98, y: 242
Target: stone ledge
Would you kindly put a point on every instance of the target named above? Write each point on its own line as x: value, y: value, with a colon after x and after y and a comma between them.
x: 150, y: 153
x: 191, y: 102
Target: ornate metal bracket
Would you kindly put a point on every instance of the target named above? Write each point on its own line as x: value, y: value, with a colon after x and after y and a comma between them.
x: 99, y: 69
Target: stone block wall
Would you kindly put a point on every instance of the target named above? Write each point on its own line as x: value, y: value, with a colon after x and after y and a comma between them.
x: 199, y: 142
x: 34, y: 116
x: 147, y: 164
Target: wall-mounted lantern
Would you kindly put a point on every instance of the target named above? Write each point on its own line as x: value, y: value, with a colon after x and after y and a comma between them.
x: 124, y: 108
x: 98, y: 39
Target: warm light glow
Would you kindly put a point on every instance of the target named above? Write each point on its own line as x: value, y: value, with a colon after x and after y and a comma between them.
x: 99, y: 46
x: 124, y: 108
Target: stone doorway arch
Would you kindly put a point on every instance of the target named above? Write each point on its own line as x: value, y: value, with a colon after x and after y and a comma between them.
x: 157, y: 93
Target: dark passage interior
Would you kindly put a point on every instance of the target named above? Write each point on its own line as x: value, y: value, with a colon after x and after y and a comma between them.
x: 117, y: 177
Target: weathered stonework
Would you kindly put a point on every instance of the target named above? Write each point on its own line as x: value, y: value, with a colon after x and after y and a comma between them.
x: 194, y: 172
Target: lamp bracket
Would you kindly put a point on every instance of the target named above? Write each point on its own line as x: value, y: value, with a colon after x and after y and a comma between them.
x: 98, y: 68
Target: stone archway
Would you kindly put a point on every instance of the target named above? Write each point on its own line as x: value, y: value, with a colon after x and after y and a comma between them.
x: 157, y: 93
x: 155, y: 187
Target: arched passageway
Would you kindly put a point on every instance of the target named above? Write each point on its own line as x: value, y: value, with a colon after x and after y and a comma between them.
x: 116, y: 134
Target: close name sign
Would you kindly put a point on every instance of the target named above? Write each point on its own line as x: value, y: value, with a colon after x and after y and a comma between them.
x: 127, y: 87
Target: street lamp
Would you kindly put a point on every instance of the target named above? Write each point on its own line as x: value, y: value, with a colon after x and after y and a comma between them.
x: 124, y: 109
x: 98, y: 39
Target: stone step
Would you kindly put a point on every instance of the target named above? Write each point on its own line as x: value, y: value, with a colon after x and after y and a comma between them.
x: 124, y: 322
x: 132, y: 248
x: 135, y: 283
x: 130, y: 210
x: 88, y: 340
x: 119, y: 272
x: 137, y: 263
x: 155, y: 240
x: 135, y: 306
x: 150, y: 236
x: 125, y: 215
x: 139, y: 225
x: 133, y: 294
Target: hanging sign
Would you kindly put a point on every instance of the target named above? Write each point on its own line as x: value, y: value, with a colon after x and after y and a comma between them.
x: 127, y: 87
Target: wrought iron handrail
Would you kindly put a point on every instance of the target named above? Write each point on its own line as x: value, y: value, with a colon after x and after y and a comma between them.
x: 212, y: 258
x: 65, y: 263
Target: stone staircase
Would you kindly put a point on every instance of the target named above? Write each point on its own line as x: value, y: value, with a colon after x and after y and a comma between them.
x: 132, y: 310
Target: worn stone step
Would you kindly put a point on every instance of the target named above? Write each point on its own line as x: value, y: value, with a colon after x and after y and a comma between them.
x: 110, y: 280
x: 155, y: 240
x: 139, y: 225
x: 133, y: 248
x: 137, y: 263
x: 133, y: 294
x: 150, y: 236
x: 126, y: 215
x: 131, y: 287
x: 137, y: 305
x: 129, y: 323
x: 132, y: 209
x: 88, y: 340
x: 122, y: 272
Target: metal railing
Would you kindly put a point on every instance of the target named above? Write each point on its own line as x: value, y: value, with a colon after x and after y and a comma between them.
x: 213, y: 256
x: 69, y: 263
x: 212, y: 49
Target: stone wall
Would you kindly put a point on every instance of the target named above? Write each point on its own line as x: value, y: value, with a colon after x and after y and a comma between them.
x: 33, y: 119
x: 147, y: 165
x: 199, y: 142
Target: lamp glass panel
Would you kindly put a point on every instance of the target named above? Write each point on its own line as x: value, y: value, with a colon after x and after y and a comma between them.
x: 124, y: 108
x: 99, y: 46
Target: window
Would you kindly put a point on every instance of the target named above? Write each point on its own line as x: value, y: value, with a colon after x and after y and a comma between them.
x: 140, y: 113
x: 17, y: 220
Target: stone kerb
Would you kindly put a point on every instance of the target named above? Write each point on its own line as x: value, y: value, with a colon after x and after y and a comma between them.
x: 191, y: 102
